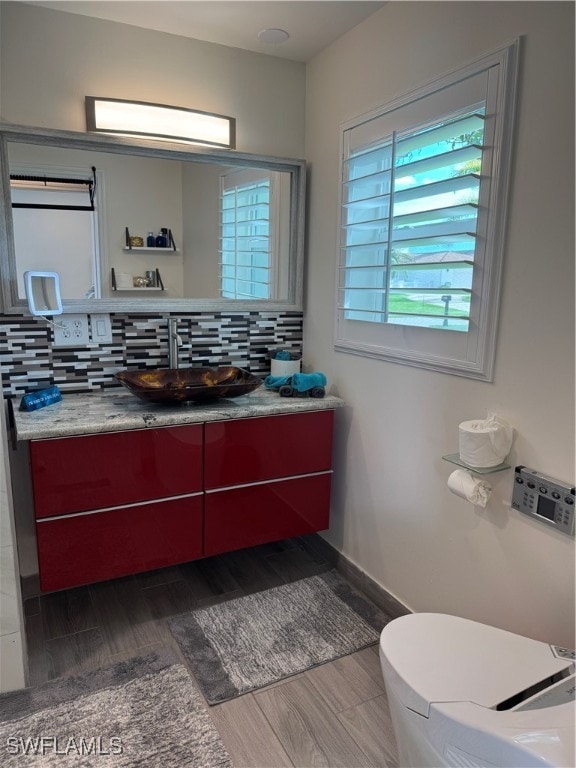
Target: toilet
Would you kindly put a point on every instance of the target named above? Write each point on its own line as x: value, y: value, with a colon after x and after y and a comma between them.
x: 467, y: 694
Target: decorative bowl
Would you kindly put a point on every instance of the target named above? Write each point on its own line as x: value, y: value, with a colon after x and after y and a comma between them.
x: 180, y: 385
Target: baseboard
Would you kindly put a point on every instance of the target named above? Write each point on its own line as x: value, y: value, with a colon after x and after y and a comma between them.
x: 30, y: 586
x: 381, y: 597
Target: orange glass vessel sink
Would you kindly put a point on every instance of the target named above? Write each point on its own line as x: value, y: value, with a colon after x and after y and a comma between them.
x: 181, y: 385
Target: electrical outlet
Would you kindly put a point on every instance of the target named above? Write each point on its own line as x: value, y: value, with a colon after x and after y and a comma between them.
x: 71, y: 331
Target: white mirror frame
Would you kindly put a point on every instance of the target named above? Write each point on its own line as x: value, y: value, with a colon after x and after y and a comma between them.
x: 170, y: 151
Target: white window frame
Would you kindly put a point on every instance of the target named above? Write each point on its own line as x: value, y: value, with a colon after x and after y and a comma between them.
x: 470, y: 354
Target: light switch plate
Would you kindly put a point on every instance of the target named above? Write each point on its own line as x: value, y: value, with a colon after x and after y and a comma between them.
x: 71, y: 331
x: 100, y: 328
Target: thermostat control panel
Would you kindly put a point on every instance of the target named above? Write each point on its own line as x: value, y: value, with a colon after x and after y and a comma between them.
x: 548, y: 500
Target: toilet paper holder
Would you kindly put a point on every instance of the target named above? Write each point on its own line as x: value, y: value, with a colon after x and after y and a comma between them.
x: 454, y: 458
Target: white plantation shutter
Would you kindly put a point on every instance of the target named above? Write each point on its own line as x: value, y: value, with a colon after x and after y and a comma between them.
x: 423, y: 189
x: 247, y: 241
x: 409, y: 226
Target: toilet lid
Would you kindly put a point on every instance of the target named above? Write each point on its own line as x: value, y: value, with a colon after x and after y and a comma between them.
x: 441, y: 658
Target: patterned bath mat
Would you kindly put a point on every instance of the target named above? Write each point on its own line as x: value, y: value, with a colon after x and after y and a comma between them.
x: 143, y: 712
x: 247, y: 643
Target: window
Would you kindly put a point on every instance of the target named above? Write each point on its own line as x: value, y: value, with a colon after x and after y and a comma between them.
x: 248, y: 248
x: 422, y: 209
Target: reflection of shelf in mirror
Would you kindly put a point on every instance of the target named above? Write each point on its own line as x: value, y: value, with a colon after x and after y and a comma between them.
x: 144, y: 288
x: 454, y: 458
x: 142, y: 248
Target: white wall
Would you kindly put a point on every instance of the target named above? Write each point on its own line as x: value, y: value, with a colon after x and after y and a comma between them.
x: 11, y: 619
x: 51, y: 60
x: 393, y: 515
x: 200, y: 191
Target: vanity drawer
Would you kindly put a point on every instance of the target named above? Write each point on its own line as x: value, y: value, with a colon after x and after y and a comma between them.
x: 84, y: 548
x: 251, y: 450
x: 249, y: 515
x: 74, y: 474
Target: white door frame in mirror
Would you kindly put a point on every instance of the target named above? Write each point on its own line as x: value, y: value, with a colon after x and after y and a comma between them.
x: 12, y: 303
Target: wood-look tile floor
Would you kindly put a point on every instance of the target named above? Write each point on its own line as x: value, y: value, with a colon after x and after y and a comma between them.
x: 333, y: 715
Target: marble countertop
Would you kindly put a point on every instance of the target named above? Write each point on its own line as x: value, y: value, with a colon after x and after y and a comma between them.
x: 117, y: 410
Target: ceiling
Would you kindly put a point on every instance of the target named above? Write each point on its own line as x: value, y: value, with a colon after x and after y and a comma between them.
x: 311, y: 25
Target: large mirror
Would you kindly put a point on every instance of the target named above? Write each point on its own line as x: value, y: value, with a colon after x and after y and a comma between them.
x: 144, y: 226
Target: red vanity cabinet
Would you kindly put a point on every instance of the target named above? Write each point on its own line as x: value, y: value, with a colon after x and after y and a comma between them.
x: 105, y: 505
x: 117, y: 503
x: 72, y: 474
x: 266, y: 479
x: 95, y: 546
x: 250, y: 450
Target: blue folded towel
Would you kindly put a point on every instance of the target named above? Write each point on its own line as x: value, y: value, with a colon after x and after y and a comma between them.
x: 283, y: 354
x: 302, y: 382
x: 275, y: 382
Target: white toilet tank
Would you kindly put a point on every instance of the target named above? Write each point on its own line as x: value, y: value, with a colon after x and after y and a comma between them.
x: 467, y: 694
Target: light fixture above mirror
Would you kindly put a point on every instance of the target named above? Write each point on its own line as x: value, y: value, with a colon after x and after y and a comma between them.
x: 159, y: 121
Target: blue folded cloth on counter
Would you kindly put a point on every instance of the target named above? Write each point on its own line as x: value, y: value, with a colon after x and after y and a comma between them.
x: 301, y: 382
x: 283, y: 354
x: 275, y: 382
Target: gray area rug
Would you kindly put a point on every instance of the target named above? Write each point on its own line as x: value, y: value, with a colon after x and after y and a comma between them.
x: 144, y: 712
x: 247, y: 643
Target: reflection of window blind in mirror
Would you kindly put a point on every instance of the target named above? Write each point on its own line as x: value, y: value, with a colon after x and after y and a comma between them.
x: 248, y: 234
x: 61, y: 241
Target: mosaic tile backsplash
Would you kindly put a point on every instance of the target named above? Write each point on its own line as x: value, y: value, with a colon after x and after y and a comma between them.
x: 245, y: 339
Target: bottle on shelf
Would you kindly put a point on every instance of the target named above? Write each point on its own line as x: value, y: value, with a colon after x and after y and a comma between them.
x: 150, y: 240
x: 162, y: 238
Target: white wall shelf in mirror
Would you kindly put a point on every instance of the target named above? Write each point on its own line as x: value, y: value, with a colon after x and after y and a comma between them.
x: 145, y: 249
x: 140, y: 290
x: 163, y: 241
x: 200, y: 191
x: 124, y: 281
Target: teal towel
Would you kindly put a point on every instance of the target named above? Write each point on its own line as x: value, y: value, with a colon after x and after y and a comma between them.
x: 283, y: 354
x: 302, y: 382
x: 275, y: 382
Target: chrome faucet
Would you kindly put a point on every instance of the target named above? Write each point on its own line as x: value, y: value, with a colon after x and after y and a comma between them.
x: 174, y: 342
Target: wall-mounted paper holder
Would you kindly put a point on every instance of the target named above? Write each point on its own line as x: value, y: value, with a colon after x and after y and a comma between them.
x: 454, y: 458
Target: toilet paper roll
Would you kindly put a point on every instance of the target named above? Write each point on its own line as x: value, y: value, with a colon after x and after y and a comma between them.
x: 463, y: 484
x: 484, y: 442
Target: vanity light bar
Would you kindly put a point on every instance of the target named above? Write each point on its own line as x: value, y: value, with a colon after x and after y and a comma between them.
x: 159, y: 121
